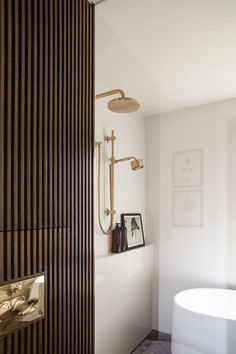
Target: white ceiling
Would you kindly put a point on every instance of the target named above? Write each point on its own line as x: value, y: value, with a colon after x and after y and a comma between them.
x: 180, y: 53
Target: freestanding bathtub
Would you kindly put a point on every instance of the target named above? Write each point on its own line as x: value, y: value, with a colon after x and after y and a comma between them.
x: 200, y: 321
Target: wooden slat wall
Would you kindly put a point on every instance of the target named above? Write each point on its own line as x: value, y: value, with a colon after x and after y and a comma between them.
x: 46, y: 167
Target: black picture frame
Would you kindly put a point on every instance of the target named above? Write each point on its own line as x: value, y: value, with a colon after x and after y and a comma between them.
x: 135, y: 235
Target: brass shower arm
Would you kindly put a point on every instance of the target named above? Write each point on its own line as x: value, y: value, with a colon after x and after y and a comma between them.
x: 120, y: 104
x: 110, y: 93
x: 124, y: 159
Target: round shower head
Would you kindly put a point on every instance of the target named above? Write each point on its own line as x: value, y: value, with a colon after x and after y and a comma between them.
x: 123, y: 105
x: 136, y: 164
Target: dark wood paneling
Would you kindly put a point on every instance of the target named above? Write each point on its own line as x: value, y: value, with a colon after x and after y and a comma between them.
x: 46, y: 167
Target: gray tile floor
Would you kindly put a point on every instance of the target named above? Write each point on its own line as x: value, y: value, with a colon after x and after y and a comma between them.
x: 150, y: 346
x: 153, y: 347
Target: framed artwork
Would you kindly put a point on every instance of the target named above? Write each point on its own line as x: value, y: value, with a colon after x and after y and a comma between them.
x: 188, y: 208
x: 188, y: 168
x: 134, y: 225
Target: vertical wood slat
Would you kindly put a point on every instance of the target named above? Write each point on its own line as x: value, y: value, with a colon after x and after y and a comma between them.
x: 84, y: 196
x: 54, y: 178
x: 34, y: 135
x: 2, y: 144
x: 46, y: 167
x: 79, y: 229
x: 91, y: 132
x: 76, y: 189
x: 68, y: 246
x: 72, y: 176
x: 60, y: 177
x: 64, y: 179
x: 8, y: 142
x: 28, y: 103
x: 15, y: 145
x: 21, y: 147
x: 8, y: 122
x: 2, y: 114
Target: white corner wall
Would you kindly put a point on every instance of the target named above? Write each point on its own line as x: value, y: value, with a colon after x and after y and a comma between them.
x: 153, y: 203
x: 189, y: 257
x: 123, y: 281
x: 129, y: 131
x: 129, y: 184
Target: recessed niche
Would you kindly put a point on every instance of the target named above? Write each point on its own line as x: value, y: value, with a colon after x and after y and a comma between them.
x: 21, y: 302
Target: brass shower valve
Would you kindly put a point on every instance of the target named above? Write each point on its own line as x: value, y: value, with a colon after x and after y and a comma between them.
x: 109, y: 138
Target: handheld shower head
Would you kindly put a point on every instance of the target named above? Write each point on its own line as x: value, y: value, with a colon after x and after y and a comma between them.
x: 121, y: 104
x: 136, y: 164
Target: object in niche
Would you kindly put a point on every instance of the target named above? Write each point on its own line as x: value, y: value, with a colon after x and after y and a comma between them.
x: 188, y: 168
x: 134, y: 226
x: 21, y: 303
x: 119, y: 239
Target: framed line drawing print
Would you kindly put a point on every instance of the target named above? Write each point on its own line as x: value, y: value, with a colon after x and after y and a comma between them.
x: 188, y: 208
x: 188, y: 168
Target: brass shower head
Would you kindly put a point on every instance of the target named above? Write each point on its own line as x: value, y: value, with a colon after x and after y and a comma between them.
x: 135, y: 163
x: 121, y: 104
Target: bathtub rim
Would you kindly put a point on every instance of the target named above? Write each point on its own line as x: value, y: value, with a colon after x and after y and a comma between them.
x: 228, y: 316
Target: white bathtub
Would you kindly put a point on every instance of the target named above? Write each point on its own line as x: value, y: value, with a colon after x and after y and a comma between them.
x: 200, y: 321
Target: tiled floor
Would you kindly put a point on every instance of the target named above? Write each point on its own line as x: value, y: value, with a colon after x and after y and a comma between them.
x: 153, y: 346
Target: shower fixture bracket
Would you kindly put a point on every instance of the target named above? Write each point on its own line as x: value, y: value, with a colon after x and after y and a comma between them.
x: 99, y: 143
x: 108, y: 139
x: 109, y: 212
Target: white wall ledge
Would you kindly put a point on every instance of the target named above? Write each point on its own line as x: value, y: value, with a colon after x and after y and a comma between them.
x: 123, y: 254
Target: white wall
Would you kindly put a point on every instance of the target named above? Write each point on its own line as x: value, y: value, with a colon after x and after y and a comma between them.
x: 231, y: 198
x: 129, y: 130
x: 129, y: 184
x: 153, y: 202
x: 123, y: 300
x: 193, y: 256
x: 123, y: 281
